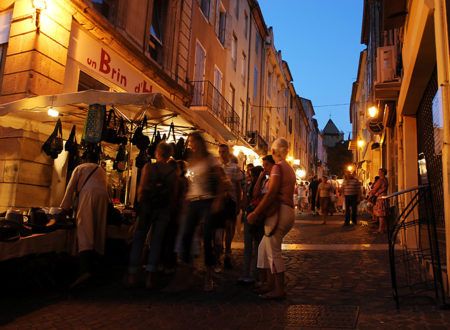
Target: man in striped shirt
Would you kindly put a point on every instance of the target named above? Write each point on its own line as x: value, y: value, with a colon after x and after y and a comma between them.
x: 351, y: 188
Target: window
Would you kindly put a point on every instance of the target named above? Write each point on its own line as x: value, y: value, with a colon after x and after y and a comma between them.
x: 2, y: 61
x: 221, y: 24
x: 155, y: 42
x: 205, y: 7
x: 255, y: 84
x: 107, y: 8
x: 234, y: 51
x: 236, y: 8
x: 231, y: 96
x: 86, y: 82
x: 245, y: 25
x: 244, y: 61
x: 290, y: 125
x: 242, y: 108
x: 257, y: 43
x: 217, y: 92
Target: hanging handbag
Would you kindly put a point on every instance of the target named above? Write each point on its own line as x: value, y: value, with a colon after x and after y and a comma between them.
x: 110, y: 128
x: 156, y: 138
x: 179, y: 149
x: 71, y: 143
x: 142, y: 158
x: 140, y: 140
x: 122, y: 133
x: 120, y: 163
x: 93, y: 126
x: 54, y: 144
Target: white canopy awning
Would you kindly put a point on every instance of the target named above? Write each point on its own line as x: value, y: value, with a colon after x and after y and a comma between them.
x: 72, y: 109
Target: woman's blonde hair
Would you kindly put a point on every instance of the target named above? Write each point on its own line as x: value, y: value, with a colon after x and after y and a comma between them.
x: 280, y: 147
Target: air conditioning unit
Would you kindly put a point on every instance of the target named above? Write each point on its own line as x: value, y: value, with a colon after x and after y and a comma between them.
x: 386, y: 63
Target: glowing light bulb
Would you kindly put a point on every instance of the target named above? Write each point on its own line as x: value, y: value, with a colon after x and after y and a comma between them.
x: 372, y: 111
x: 52, y: 112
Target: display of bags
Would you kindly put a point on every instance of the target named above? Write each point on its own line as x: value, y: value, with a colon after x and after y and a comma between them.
x: 93, y: 126
x: 140, y: 140
x: 122, y: 132
x: 71, y: 143
x: 120, y: 163
x: 110, y: 128
x: 54, y: 144
x: 142, y: 158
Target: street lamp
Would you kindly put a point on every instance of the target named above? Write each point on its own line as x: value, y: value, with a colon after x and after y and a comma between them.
x: 372, y: 111
x: 360, y: 143
x: 350, y: 168
x: 39, y: 5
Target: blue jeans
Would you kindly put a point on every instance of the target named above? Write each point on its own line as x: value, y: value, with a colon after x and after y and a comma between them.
x: 252, y: 237
x: 199, y: 210
x: 157, y: 221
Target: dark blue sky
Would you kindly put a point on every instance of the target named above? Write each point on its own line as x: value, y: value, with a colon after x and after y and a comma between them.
x: 320, y: 40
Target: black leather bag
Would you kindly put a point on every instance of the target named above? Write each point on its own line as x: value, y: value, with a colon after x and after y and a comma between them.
x: 120, y: 163
x: 9, y: 230
x: 122, y: 132
x: 110, y: 128
x: 54, y: 144
x: 180, y: 149
x: 71, y: 143
x: 142, y: 158
x: 139, y: 139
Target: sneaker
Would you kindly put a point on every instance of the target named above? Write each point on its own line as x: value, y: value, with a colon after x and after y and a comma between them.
x: 227, y: 263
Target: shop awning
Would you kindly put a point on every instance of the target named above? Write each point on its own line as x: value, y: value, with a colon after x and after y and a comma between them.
x: 72, y: 109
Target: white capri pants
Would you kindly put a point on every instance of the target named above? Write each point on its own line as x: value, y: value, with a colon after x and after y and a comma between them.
x: 269, y: 250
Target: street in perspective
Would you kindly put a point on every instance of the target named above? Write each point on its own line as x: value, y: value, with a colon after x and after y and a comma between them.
x: 227, y: 164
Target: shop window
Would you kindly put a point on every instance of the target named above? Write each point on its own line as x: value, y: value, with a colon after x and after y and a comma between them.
x: 205, y: 7
x: 156, y: 33
x: 108, y: 8
x: 86, y: 82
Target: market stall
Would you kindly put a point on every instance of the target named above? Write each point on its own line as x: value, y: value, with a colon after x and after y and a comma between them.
x: 66, y: 116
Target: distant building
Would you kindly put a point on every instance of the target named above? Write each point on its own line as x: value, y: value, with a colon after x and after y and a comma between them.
x: 331, y: 134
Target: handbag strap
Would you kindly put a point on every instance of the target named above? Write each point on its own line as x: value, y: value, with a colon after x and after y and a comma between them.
x: 87, y: 178
x: 279, y: 207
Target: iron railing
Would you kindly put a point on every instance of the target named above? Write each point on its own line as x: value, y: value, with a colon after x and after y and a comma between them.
x: 204, y: 93
x: 257, y: 141
x: 414, y: 257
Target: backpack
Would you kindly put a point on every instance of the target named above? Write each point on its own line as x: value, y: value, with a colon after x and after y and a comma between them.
x: 159, y: 192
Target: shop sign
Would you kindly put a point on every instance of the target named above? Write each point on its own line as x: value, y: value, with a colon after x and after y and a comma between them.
x: 438, y: 122
x: 109, y: 65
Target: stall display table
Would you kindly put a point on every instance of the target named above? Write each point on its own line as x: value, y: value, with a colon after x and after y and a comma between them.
x: 56, y: 241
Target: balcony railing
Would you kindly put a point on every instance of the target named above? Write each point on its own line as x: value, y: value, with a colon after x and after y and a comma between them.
x: 205, y: 94
x: 257, y: 141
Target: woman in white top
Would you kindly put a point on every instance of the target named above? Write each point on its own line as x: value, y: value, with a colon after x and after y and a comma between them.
x: 203, y: 196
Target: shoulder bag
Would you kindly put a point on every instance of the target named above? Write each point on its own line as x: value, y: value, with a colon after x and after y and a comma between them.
x: 76, y: 196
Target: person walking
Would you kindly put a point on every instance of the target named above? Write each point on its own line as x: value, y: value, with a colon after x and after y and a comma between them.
x: 351, y: 189
x: 232, y: 202
x: 324, y: 192
x: 204, y: 197
x: 302, y: 191
x: 156, y: 196
x: 379, y: 189
x: 279, y: 197
x: 313, y: 186
x: 88, y: 182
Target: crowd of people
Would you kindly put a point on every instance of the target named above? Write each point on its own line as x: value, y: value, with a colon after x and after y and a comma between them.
x: 189, y: 209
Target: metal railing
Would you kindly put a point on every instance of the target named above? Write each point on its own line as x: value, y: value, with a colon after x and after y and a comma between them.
x: 414, y: 257
x: 257, y: 141
x: 204, y: 93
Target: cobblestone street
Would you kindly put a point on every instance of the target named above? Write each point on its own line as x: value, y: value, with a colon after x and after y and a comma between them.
x: 338, y: 277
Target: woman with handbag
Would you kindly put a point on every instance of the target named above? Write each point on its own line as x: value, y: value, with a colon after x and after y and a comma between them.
x: 379, y: 189
x: 277, y: 207
x: 88, y: 185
